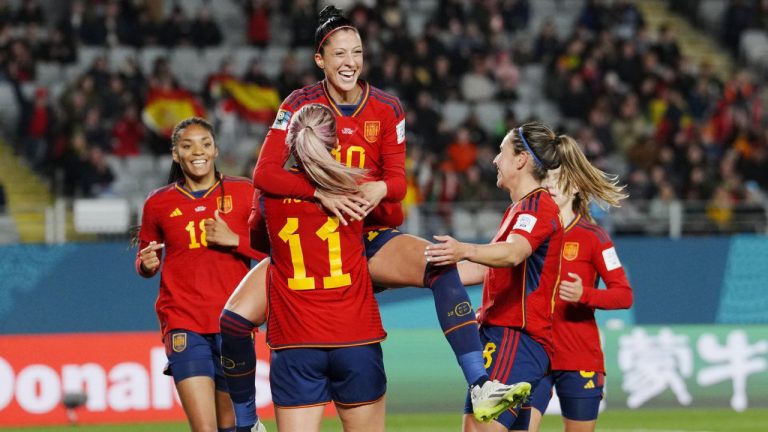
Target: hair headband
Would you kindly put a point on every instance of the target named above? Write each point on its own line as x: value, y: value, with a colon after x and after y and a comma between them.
x: 322, y: 41
x: 525, y: 143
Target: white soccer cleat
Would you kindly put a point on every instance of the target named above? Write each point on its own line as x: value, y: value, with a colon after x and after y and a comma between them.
x: 493, y: 398
x: 258, y: 427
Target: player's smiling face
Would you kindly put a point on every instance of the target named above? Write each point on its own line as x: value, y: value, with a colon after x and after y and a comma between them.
x: 196, y: 153
x: 342, y: 61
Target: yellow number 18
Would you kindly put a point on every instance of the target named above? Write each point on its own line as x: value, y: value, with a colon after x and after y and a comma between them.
x: 329, y: 233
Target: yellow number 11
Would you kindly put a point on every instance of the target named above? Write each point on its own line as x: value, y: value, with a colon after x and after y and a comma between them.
x: 329, y: 233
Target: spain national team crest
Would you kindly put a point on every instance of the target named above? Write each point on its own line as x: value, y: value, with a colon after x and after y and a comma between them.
x: 225, y: 207
x: 179, y: 342
x: 371, y: 131
x: 570, y: 250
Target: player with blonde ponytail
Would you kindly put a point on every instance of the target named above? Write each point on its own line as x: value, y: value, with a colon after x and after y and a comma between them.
x: 578, y: 370
x: 323, y: 326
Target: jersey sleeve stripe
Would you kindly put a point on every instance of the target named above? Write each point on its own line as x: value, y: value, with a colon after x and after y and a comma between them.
x: 599, y: 232
x: 393, y: 104
x: 387, y: 96
x: 305, y: 99
x: 303, y: 92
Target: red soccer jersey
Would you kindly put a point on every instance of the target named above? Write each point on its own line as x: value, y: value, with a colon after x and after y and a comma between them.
x: 587, y: 251
x: 522, y: 297
x: 373, y: 137
x: 196, y: 279
x: 319, y: 290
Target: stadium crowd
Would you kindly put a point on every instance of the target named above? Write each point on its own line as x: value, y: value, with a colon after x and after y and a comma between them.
x: 672, y: 129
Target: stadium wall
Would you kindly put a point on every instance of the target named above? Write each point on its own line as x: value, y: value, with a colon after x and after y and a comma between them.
x: 77, y: 316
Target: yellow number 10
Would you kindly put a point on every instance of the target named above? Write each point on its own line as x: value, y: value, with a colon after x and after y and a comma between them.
x: 329, y: 233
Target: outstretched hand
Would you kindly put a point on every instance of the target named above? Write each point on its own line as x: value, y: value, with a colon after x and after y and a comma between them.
x: 353, y: 206
x: 218, y: 233
x: 447, y: 251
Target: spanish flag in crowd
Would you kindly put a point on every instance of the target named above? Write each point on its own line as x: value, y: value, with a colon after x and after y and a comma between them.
x: 165, y: 108
x: 254, y: 102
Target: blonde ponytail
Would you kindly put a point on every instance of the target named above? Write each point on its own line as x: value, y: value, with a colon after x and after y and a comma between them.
x: 591, y: 183
x: 311, y: 137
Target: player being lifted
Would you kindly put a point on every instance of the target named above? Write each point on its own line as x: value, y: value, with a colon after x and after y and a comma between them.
x: 371, y: 133
x: 324, y: 327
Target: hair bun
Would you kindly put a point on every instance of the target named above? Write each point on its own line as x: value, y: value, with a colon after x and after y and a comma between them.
x: 328, y: 13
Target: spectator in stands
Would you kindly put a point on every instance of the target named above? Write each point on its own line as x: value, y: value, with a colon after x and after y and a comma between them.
x: 258, y: 12
x: 303, y: 20
x: 97, y: 176
x: 31, y: 12
x: 737, y: 17
x: 176, y: 30
x: 477, y: 85
x: 61, y: 48
x: 461, y: 152
x: 73, y: 164
x: 206, y: 32
x: 39, y: 126
x: 128, y: 133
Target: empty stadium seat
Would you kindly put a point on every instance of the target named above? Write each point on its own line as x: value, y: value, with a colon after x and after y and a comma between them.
x: 103, y: 215
x: 454, y: 113
x: 489, y: 115
x: 117, y: 56
x: 9, y: 114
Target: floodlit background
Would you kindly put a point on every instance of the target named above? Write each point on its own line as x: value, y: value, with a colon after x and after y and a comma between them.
x: 669, y: 95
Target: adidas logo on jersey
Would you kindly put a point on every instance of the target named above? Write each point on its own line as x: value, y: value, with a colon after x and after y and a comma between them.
x: 589, y: 385
x: 175, y: 212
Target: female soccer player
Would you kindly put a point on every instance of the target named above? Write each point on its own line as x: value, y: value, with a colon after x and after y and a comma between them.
x: 201, y: 220
x: 520, y: 267
x: 371, y: 133
x: 588, y: 255
x: 324, y: 327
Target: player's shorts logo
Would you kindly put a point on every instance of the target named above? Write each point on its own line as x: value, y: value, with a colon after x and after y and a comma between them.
x: 226, y: 206
x: 179, y: 342
x: 371, y: 131
x: 227, y: 363
x: 570, y: 250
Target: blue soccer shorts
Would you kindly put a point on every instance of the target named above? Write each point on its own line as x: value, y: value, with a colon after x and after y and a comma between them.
x: 580, y: 393
x: 349, y: 376
x: 376, y: 239
x: 512, y: 356
x: 193, y: 354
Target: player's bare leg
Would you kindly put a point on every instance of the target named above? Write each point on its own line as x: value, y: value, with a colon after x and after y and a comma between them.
x: 364, y: 418
x: 249, y: 300
x: 535, y: 422
x: 405, y: 253
x: 198, y: 400
x: 470, y: 424
x: 579, y: 425
x: 299, y: 419
x: 225, y: 413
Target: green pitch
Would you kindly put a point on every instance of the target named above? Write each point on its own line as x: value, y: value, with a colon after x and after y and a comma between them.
x: 680, y: 420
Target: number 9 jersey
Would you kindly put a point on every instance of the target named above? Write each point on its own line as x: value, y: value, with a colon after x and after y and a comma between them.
x: 319, y: 290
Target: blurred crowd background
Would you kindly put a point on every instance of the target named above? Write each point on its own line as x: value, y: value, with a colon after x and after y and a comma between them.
x: 89, y: 90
